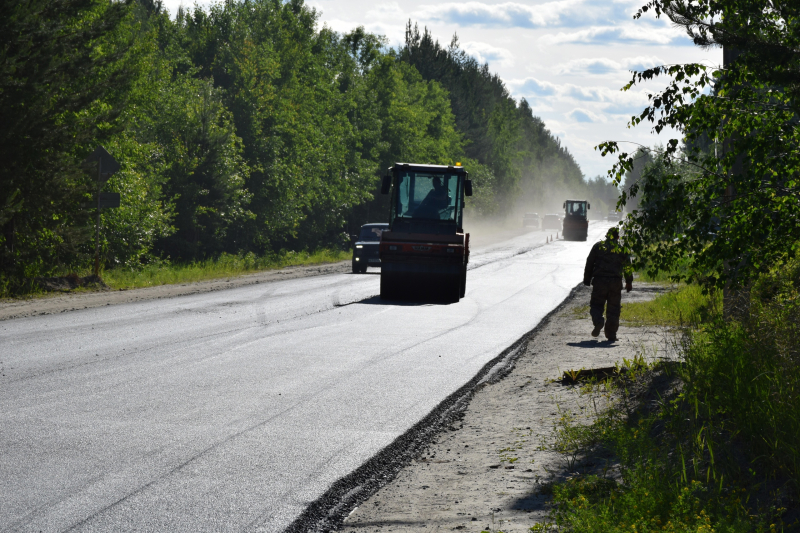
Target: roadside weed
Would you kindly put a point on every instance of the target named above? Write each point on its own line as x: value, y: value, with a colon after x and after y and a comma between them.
x: 226, y: 265
x: 637, y: 365
x: 14, y: 288
x: 668, y: 476
x: 579, y: 312
x: 687, y: 304
x: 161, y: 272
x: 570, y: 438
x: 707, y: 443
x: 573, y: 374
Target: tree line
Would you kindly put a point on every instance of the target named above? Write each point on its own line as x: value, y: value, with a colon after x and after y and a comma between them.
x: 721, y: 204
x: 242, y: 128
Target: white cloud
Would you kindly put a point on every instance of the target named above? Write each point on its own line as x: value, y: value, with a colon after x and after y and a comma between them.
x: 507, y: 14
x: 642, y: 62
x: 598, y: 66
x: 389, y: 10
x: 606, y: 35
x: 531, y: 87
x: 584, y: 115
x: 556, y: 127
x: 626, y: 109
x: 486, y: 53
x: 603, y: 66
x: 588, y: 94
x: 395, y: 33
x: 339, y: 25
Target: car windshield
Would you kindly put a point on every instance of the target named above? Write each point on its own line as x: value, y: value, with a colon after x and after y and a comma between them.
x: 576, y: 208
x: 431, y: 196
x: 372, y: 233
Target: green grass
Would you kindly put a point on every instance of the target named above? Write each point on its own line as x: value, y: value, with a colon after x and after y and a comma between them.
x: 746, y: 376
x: 223, y: 267
x: 721, y: 453
x: 659, y: 277
x: 685, y: 305
x: 646, y: 503
x: 165, y: 273
x: 676, y: 474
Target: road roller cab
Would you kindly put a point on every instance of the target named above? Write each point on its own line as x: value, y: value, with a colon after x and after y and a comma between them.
x: 425, y: 252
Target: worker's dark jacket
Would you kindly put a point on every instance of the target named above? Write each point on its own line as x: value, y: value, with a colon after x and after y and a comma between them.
x: 606, y: 260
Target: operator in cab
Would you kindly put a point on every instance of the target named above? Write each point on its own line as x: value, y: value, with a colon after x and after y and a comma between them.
x: 606, y: 265
x: 436, y: 200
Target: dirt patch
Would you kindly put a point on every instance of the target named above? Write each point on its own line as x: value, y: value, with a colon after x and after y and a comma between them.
x: 102, y: 295
x: 489, y: 469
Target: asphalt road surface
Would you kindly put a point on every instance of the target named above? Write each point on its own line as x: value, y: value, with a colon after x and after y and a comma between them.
x: 233, y: 410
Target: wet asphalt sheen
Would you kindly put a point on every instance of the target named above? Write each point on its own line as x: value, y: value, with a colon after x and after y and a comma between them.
x: 233, y: 410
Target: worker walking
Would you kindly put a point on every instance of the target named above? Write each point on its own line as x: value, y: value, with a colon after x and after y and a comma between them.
x: 605, y: 267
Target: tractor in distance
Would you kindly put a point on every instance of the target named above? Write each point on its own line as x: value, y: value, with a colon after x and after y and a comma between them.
x: 425, y: 251
x: 576, y: 220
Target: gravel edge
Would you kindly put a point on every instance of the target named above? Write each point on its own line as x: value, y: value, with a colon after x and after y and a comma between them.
x: 329, y: 511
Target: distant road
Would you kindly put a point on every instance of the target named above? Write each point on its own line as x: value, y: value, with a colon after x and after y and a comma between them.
x: 233, y: 410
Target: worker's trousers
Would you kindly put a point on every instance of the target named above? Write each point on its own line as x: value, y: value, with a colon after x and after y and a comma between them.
x: 606, y: 295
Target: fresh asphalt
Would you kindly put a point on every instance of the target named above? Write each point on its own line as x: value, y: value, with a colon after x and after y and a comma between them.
x: 234, y: 410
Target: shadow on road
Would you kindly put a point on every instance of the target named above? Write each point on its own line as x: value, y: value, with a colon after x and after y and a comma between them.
x: 593, y: 343
x: 376, y: 300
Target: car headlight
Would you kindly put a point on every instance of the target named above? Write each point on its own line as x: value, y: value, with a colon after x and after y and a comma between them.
x: 359, y: 246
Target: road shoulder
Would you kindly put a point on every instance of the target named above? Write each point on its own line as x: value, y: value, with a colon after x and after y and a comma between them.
x: 484, y: 471
x: 63, y: 302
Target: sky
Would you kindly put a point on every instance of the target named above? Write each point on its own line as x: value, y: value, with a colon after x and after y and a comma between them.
x: 567, y: 58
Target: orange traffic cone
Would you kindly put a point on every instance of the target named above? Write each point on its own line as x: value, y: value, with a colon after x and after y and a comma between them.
x: 556, y: 235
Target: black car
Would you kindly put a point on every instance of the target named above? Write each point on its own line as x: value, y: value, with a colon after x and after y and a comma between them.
x: 365, y: 250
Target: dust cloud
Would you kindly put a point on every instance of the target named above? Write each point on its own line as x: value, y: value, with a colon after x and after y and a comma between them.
x: 508, y: 221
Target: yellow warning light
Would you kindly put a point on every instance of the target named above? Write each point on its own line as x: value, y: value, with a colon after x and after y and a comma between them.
x: 458, y: 164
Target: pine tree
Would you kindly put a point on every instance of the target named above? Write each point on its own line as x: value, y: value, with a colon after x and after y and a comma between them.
x: 62, y: 77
